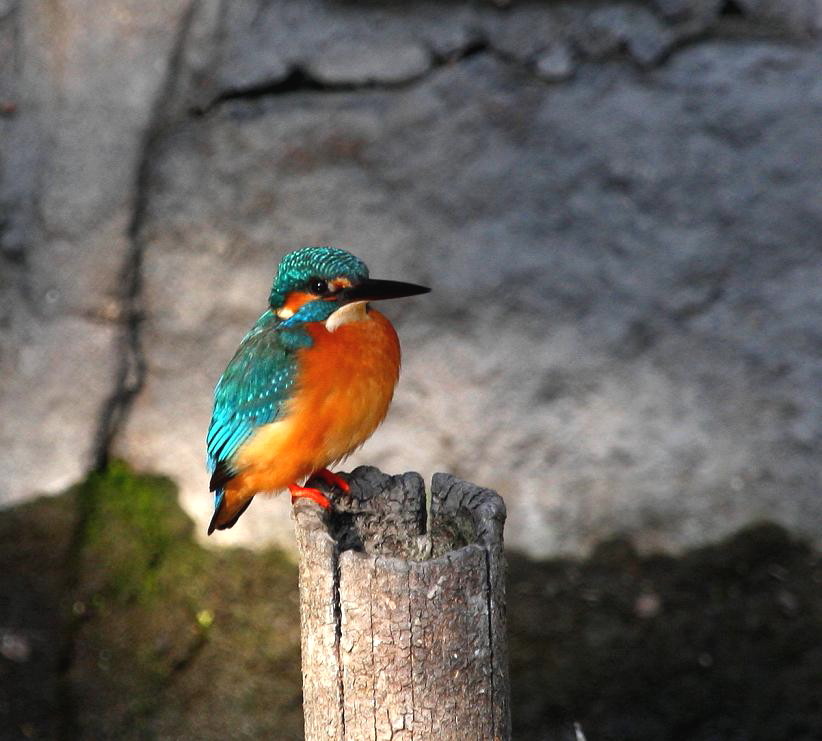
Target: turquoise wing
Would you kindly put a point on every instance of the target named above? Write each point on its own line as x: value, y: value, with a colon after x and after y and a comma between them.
x: 251, y: 392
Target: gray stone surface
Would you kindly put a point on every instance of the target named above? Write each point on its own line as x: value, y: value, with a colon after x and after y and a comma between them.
x: 555, y: 63
x: 624, y: 333
x: 798, y: 15
x: 81, y: 85
x: 360, y: 64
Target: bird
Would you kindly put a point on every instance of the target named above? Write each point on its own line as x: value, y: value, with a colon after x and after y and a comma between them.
x: 310, y: 382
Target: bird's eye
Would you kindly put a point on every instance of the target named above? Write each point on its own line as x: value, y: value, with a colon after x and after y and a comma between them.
x: 318, y: 286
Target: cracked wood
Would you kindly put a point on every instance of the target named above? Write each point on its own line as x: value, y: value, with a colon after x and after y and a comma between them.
x: 402, y: 612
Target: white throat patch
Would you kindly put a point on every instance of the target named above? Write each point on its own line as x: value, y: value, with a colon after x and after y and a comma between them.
x: 353, y: 312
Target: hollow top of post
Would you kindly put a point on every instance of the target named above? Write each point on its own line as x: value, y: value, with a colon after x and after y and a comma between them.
x: 394, y: 515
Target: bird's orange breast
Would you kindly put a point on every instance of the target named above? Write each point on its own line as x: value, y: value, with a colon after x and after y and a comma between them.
x: 345, y: 383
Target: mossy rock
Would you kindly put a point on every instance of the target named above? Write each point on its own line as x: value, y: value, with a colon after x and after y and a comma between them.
x: 134, y: 631
x: 157, y: 636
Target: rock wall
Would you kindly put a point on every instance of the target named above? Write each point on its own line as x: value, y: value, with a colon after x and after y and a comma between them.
x: 617, y: 206
x: 78, y: 85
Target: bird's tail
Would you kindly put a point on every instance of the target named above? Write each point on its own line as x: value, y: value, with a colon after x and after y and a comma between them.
x: 228, y: 507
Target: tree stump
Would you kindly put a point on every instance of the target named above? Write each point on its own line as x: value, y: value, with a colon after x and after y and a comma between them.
x: 402, y: 611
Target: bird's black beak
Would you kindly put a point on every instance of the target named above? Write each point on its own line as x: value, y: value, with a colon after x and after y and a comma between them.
x: 377, y: 290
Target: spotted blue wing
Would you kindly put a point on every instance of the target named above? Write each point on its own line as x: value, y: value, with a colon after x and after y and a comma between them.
x: 251, y: 392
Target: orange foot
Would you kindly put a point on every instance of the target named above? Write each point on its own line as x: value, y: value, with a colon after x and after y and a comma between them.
x: 332, y: 479
x: 303, y: 492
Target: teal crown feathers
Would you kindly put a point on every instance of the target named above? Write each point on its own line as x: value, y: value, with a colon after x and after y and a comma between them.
x: 299, y: 267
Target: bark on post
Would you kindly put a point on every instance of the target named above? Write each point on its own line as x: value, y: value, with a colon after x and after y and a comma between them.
x: 402, y: 609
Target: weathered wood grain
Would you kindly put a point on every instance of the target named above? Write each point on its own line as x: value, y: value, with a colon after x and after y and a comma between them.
x: 319, y: 639
x: 403, y: 612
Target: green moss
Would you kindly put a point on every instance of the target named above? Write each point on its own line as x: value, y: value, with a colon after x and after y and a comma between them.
x: 133, y: 531
x: 176, y: 639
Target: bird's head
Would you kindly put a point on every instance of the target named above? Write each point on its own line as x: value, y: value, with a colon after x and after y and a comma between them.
x: 313, y: 283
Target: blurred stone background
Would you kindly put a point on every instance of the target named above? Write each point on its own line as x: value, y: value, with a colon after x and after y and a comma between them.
x: 617, y: 204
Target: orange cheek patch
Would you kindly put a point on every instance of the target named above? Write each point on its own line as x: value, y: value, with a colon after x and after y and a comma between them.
x: 297, y: 299
x: 293, y: 302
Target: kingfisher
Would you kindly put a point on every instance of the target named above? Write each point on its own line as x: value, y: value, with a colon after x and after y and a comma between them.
x: 309, y: 384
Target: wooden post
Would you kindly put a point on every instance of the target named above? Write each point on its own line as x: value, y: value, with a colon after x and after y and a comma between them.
x: 402, y: 611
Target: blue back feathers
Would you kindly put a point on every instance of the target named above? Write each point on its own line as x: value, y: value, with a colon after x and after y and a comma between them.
x: 251, y: 391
